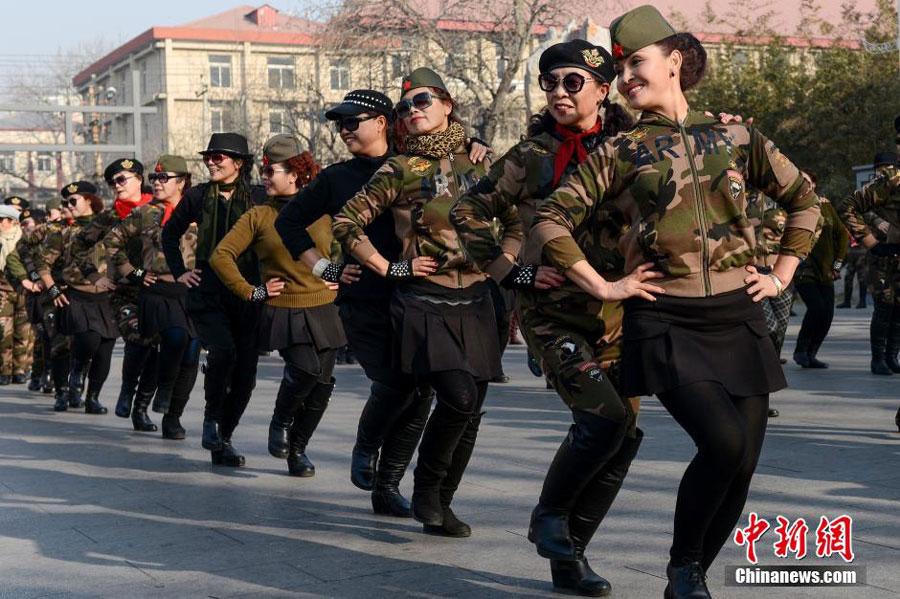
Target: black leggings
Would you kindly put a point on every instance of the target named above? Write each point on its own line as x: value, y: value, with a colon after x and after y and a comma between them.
x: 458, y: 390
x: 89, y: 346
x: 728, y: 432
x: 177, y: 350
x: 819, y: 300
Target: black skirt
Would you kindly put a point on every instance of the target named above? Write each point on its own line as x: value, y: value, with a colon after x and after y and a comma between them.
x: 438, y: 329
x: 160, y: 307
x: 319, y: 326
x: 87, y: 312
x: 370, y: 336
x: 676, y: 341
x: 34, y: 308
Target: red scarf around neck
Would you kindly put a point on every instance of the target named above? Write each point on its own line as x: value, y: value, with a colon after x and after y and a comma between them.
x: 124, y: 207
x: 570, y: 145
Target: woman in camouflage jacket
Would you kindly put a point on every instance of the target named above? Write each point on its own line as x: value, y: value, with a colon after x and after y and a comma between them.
x: 441, y: 310
x: 576, y: 336
x: 694, y: 333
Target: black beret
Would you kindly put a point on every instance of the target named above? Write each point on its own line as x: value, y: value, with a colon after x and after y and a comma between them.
x: 17, y: 201
x: 123, y: 164
x: 884, y: 158
x: 580, y: 54
x: 359, y: 101
x: 35, y: 213
x: 78, y: 187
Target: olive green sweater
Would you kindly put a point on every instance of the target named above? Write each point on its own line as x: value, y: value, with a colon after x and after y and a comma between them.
x: 256, y: 229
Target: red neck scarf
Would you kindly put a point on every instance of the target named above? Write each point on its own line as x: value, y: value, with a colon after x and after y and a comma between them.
x: 124, y: 207
x: 570, y: 145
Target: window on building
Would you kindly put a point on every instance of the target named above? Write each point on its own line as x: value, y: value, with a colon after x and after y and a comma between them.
x: 399, y: 66
x: 44, y: 162
x: 219, y: 70
x: 340, y: 74
x: 281, y: 72
x: 221, y: 118
x: 278, y: 120
x: 7, y: 161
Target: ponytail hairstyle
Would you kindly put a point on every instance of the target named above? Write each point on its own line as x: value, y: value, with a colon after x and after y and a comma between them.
x: 305, y: 167
x: 397, y: 131
x: 693, y: 66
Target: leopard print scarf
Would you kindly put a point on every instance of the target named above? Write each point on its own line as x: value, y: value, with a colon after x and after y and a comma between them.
x: 437, y: 145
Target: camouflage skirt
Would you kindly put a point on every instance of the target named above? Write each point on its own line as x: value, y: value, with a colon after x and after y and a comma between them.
x: 578, y: 341
x: 677, y: 341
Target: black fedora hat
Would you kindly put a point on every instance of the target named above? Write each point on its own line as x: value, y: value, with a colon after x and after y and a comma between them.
x: 232, y: 144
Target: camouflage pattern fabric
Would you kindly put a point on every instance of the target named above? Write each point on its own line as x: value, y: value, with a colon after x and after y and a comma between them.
x: 420, y: 192
x: 59, y: 249
x: 682, y: 190
x: 23, y: 336
x: 831, y: 247
x: 769, y: 221
x: 881, y: 196
x: 884, y: 279
x: 143, y: 229
x: 856, y: 265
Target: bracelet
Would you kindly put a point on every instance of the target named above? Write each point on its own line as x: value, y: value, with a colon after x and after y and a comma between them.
x: 320, y: 267
x: 136, y: 275
x: 779, y: 285
x: 54, y: 291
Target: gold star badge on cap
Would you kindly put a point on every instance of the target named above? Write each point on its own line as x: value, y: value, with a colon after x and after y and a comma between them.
x: 127, y: 163
x: 72, y: 188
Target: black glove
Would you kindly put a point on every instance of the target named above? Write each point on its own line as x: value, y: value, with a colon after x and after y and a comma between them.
x: 885, y: 250
x: 137, y: 275
x: 55, y: 291
x: 400, y: 271
x: 260, y: 293
x: 521, y: 277
x: 333, y: 272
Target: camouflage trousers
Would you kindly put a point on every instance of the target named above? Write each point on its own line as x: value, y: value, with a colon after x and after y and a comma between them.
x: 17, y: 341
x: 578, y: 340
x: 855, y: 265
x: 124, y: 303
x: 884, y: 279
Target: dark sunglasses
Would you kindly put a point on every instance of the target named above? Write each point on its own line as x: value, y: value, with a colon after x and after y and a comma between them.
x: 420, y: 101
x: 72, y: 201
x: 351, y: 123
x: 572, y: 83
x: 162, y: 177
x: 269, y: 171
x: 120, y: 180
x: 215, y: 158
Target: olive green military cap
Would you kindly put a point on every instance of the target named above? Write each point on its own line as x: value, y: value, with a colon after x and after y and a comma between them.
x: 280, y: 148
x: 54, y: 204
x: 638, y: 29
x: 423, y: 77
x: 170, y: 163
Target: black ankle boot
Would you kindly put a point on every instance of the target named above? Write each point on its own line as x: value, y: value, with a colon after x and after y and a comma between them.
x: 687, y: 581
x: 443, y: 432
x: 577, y: 577
x: 46, y: 383
x: 92, y: 403
x: 279, y: 444
x: 227, y: 456
x: 76, y: 384
x: 139, y: 418
x: 451, y: 526
x: 592, y: 441
x: 397, y: 451
x: 305, y: 423
x: 814, y: 362
x: 892, y: 347
x: 878, y: 338
x: 62, y: 399
x: 171, y: 427
x: 212, y: 438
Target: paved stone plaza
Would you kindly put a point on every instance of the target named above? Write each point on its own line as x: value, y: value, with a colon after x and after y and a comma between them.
x: 91, y: 509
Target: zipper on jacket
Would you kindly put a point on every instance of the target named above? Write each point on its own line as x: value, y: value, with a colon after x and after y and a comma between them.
x: 459, y: 276
x: 700, y: 213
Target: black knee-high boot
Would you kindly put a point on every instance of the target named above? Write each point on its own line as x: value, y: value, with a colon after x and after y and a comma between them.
x: 878, y: 337
x: 442, y: 434
x: 592, y: 441
x: 892, y: 346
x: 60, y: 366
x: 382, y: 410
x: 134, y: 358
x: 590, y: 509
x: 453, y: 526
x: 397, y: 451
x: 92, y: 403
x: 288, y: 402
x: 76, y: 381
x: 181, y: 393
x: 305, y: 424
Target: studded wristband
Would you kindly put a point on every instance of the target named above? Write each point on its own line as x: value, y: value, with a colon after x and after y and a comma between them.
x: 521, y: 277
x: 137, y: 275
x: 54, y: 291
x: 260, y: 294
x: 400, y: 271
x: 333, y: 272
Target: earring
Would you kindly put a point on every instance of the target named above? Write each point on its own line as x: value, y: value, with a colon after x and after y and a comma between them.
x: 671, y: 73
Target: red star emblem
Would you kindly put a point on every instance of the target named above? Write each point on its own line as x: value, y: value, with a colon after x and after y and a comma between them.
x: 158, y: 167
x: 618, y: 51
x: 407, y: 85
x: 265, y: 161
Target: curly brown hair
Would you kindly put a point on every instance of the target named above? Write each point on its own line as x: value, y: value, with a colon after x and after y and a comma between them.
x: 305, y: 167
x: 95, y: 201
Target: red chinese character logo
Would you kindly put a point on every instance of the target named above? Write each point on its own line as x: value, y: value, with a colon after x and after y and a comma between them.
x: 750, y: 535
x: 835, y: 537
x: 791, y: 538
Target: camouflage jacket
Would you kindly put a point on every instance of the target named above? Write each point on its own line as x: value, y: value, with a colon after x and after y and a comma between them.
x: 682, y: 191
x: 768, y: 220
x: 30, y: 244
x: 58, y: 249
x: 829, y: 250
x: 420, y: 192
x: 92, y: 235
x: 144, y: 225
x: 881, y: 196
x: 521, y: 179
